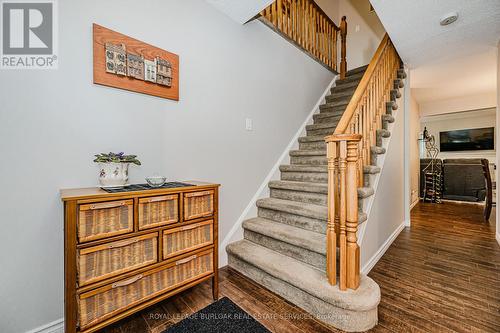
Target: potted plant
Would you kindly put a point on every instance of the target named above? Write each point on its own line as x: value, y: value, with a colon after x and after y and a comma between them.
x: 114, y: 168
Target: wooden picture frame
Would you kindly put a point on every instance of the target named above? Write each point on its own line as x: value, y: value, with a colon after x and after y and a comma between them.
x: 102, y: 35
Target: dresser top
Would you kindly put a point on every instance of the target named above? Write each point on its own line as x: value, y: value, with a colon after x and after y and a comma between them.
x: 97, y: 192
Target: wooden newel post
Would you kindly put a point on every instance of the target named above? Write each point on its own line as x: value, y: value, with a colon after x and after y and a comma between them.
x: 343, y: 47
x: 343, y: 158
x: 352, y: 212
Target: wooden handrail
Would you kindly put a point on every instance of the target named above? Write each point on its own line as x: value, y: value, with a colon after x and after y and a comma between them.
x: 348, y: 152
x: 305, y: 24
x: 361, y: 88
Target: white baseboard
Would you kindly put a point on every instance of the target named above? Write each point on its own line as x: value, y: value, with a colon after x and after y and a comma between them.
x: 261, y: 191
x: 56, y: 326
x: 414, y: 203
x: 498, y: 238
x: 380, y: 252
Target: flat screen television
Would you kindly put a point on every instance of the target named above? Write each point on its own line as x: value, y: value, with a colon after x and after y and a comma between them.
x: 468, y: 139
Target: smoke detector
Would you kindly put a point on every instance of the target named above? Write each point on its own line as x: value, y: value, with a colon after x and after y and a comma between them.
x: 449, y: 18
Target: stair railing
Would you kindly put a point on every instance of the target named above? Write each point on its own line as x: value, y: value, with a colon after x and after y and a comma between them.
x: 305, y: 24
x: 348, y: 152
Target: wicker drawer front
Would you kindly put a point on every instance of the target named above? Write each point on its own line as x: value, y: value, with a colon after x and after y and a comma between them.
x: 187, y: 238
x: 198, y: 204
x: 104, y: 261
x: 157, y: 211
x: 106, y: 219
x: 98, y: 305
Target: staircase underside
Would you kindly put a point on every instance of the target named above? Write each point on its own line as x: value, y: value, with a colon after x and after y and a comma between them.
x: 284, y: 247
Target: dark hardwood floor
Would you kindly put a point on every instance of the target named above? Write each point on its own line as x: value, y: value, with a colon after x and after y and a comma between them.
x: 440, y: 275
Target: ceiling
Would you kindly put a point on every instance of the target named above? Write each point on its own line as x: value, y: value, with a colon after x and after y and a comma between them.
x: 240, y: 10
x: 470, y: 75
x: 445, y: 61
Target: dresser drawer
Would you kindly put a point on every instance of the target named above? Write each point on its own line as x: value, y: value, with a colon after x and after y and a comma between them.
x: 107, y: 260
x: 198, y: 204
x: 158, y: 211
x: 102, y: 303
x: 187, y: 238
x: 105, y: 219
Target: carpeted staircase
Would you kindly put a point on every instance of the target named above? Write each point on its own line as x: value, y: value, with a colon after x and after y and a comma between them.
x: 284, y: 248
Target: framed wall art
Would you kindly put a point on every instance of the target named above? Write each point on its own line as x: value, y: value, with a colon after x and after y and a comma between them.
x: 127, y: 63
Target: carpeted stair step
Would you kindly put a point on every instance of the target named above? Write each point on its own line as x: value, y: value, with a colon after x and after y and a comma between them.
x: 301, y: 215
x: 351, y: 78
x: 304, y: 173
x: 292, y: 207
x: 369, y: 172
x: 395, y: 94
x: 334, y: 106
x: 310, y: 157
x: 344, y: 86
x: 313, y: 193
x: 375, y: 151
x: 365, y: 192
x: 307, y: 192
x: 401, y: 74
x: 321, y: 129
x: 358, y: 70
x: 393, y: 105
x: 292, y: 213
x: 304, y: 245
x: 380, y: 134
x: 315, y: 174
x: 328, y: 117
x: 312, y: 142
x: 371, y: 169
x: 337, y: 96
x: 386, y: 120
x: 307, y: 287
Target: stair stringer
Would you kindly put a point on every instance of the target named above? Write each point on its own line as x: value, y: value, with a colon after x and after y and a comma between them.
x: 376, y: 178
x: 236, y: 231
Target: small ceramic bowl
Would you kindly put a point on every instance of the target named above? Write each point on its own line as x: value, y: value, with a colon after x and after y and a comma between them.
x: 156, y: 181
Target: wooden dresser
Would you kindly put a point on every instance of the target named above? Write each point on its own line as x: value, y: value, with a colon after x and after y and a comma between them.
x: 127, y: 251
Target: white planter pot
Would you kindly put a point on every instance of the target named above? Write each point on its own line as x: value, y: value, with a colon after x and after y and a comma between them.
x: 113, y: 174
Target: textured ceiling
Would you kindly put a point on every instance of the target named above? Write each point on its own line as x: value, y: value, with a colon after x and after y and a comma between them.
x: 420, y: 39
x: 445, y: 61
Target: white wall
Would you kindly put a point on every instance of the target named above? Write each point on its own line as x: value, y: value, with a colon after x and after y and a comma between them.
x: 52, y: 122
x: 331, y: 8
x: 414, y: 132
x: 458, y: 104
x: 387, y: 216
x: 461, y: 120
x: 364, y: 29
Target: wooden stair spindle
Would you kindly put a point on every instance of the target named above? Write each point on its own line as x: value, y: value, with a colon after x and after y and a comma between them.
x: 306, y: 25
